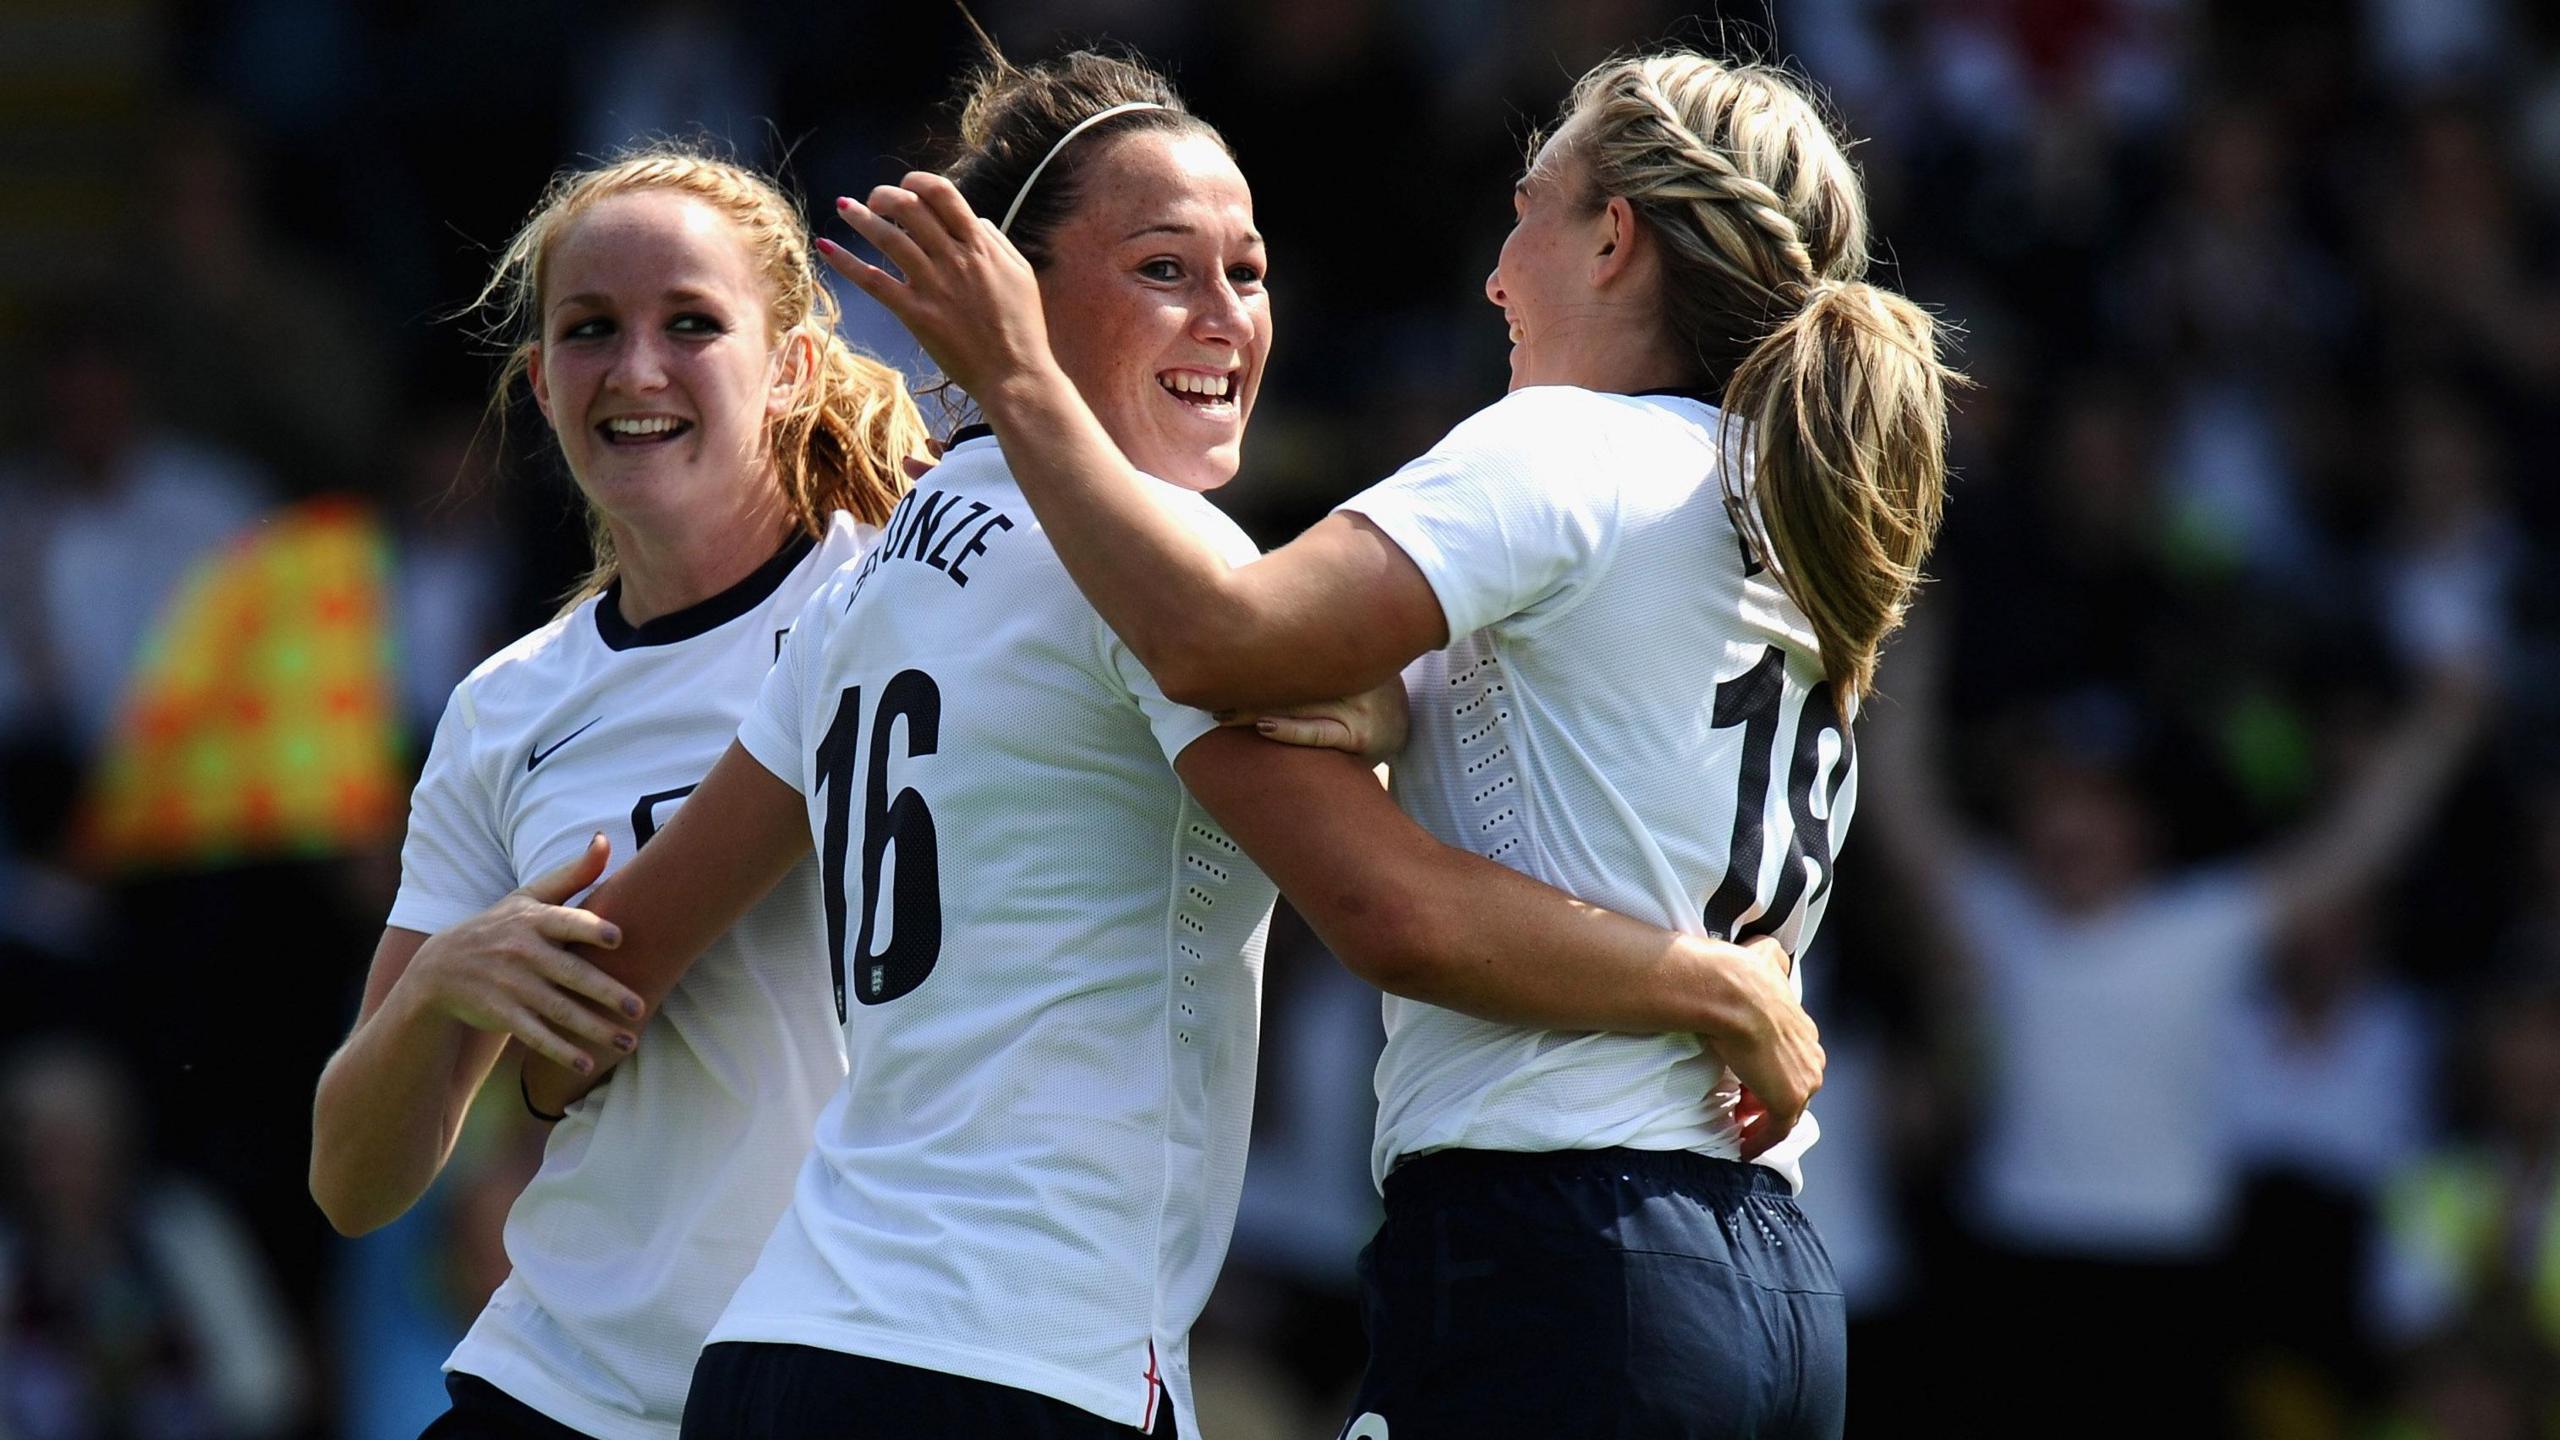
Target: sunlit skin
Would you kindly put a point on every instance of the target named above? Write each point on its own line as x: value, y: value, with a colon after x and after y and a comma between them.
x: 1158, y: 274
x: 1579, y: 284
x: 653, y: 316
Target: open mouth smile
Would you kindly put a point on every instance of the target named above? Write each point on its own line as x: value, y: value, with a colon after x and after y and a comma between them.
x: 1201, y: 390
x: 631, y: 430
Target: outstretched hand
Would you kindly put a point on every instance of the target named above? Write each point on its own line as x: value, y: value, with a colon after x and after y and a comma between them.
x: 961, y: 288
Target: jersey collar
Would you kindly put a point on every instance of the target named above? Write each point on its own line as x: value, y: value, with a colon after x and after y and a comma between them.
x: 703, y: 615
x: 1682, y: 392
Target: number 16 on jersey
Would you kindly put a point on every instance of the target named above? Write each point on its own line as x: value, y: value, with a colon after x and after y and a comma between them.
x: 903, y: 823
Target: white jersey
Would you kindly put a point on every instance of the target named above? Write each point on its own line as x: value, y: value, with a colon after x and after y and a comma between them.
x: 1050, y: 971
x: 1630, y: 710
x: 657, y: 1192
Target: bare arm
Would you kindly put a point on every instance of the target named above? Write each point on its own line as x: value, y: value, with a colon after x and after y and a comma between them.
x: 737, y: 835
x: 1335, y: 612
x: 2390, y: 797
x: 1421, y: 919
x: 1906, y: 805
x: 436, y: 1013
x: 392, y: 1099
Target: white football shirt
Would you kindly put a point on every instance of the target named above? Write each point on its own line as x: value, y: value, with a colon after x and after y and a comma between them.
x: 1050, y: 968
x: 1630, y: 710
x: 657, y: 1192
x: 2105, y: 1118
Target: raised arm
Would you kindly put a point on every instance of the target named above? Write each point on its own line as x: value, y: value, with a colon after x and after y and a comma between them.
x: 736, y: 836
x: 1421, y: 919
x: 1905, y: 804
x: 436, y: 1013
x: 1336, y: 611
x: 2386, y: 802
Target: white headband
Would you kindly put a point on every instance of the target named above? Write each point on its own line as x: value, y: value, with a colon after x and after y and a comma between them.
x: 1005, y: 226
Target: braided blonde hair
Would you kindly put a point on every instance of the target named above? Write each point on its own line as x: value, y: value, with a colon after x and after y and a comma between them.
x: 1837, y: 383
x: 841, y: 444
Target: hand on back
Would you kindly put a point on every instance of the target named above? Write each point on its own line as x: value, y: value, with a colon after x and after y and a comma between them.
x: 1371, y: 725
x: 1781, y: 1067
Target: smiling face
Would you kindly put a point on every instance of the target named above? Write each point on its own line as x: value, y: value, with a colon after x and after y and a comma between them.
x: 1543, y: 278
x: 1156, y: 304
x: 657, y: 367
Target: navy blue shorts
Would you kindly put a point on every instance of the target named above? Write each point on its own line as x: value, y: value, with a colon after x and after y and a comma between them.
x: 751, y: 1391
x: 482, y: 1411
x: 1591, y: 1293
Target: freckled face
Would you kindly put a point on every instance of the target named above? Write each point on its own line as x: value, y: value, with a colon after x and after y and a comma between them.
x: 1542, y: 277
x: 1156, y: 306
x: 656, y: 367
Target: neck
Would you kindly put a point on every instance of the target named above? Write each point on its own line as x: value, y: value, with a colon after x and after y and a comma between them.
x: 1626, y: 353
x: 665, y: 568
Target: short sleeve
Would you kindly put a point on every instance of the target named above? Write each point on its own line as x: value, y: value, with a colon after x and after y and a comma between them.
x: 455, y: 862
x: 1176, y: 726
x: 1507, y: 515
x: 771, y: 731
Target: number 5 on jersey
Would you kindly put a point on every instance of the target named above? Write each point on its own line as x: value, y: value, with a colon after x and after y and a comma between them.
x: 915, y: 917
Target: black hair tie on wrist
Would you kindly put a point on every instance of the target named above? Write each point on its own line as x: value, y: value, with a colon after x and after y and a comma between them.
x: 525, y: 1089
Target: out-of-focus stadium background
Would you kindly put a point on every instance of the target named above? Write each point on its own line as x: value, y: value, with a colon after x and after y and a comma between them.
x: 2251, y: 540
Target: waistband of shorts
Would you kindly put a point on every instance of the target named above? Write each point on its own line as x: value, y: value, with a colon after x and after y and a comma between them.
x: 1421, y: 1179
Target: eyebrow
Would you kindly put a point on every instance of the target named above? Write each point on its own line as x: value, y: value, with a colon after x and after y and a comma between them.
x: 680, y: 295
x: 1169, y: 227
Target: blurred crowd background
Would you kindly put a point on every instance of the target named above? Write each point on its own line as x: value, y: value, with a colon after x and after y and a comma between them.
x: 2192, y: 988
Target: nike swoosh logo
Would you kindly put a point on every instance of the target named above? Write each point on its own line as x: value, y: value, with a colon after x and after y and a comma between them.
x: 538, y: 756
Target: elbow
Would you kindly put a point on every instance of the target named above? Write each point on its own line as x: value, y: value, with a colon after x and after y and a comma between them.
x: 1392, y: 941
x: 1190, y: 674
x: 1200, y: 657
x: 339, y: 1185
x: 345, y: 1210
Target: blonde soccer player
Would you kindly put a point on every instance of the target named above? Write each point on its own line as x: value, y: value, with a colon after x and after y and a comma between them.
x: 665, y: 314
x: 1635, y: 604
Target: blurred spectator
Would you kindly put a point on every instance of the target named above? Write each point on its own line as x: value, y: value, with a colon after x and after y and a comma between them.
x: 456, y: 568
x: 2232, y: 283
x: 101, y: 527
x: 2474, y: 1227
x: 2463, y: 286
x: 247, y: 342
x: 132, y: 1307
x: 2104, y: 1186
x: 2329, y: 1077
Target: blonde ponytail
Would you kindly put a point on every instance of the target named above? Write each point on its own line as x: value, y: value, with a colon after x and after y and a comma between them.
x: 844, y: 445
x: 1844, y: 414
x: 1835, y: 385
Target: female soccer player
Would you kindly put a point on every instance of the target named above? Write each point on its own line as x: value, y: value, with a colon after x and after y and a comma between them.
x: 1047, y: 951
x: 1640, y: 598
x: 733, y: 453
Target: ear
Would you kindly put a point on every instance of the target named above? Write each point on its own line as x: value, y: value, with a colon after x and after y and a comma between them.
x: 795, y: 362
x: 540, y: 382
x: 1621, y: 235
